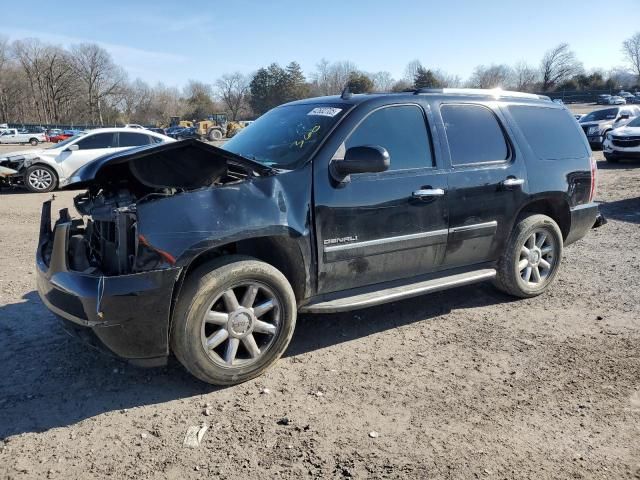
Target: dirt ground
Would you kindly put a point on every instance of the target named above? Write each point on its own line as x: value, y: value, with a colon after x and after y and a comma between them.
x: 461, y: 384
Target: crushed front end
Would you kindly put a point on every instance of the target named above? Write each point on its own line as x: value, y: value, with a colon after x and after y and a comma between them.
x: 85, y: 276
x: 103, y: 273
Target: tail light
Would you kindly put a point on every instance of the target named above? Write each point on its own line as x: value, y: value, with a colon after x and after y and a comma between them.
x: 594, y: 174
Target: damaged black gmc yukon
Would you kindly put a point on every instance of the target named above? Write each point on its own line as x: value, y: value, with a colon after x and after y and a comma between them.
x: 321, y: 205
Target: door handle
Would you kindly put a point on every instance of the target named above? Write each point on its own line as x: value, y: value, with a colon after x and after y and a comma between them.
x: 513, y: 182
x: 428, y: 192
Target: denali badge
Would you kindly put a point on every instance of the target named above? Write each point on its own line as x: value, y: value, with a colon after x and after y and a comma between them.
x: 332, y: 241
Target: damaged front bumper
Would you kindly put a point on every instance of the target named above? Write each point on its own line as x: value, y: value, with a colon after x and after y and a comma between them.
x: 126, y: 314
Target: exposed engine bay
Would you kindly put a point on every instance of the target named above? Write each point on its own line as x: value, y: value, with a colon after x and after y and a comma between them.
x: 106, y: 241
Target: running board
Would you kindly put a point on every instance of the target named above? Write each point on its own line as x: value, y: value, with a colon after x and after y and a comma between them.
x: 398, y: 292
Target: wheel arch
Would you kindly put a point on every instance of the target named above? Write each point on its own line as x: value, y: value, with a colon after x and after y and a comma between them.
x: 282, y: 252
x: 555, y: 207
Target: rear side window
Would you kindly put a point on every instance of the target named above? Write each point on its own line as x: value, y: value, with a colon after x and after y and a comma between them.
x: 399, y: 129
x: 552, y: 133
x: 97, y: 141
x: 474, y: 135
x: 130, y: 139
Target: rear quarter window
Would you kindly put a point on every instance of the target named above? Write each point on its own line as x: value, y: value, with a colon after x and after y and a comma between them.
x: 551, y: 132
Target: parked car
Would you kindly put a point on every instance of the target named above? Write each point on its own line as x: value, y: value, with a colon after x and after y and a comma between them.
x: 157, y: 130
x: 629, y: 97
x: 172, y: 131
x: 616, y: 100
x: 65, y: 134
x: 323, y: 205
x: 559, y: 101
x: 44, y: 170
x: 189, y: 132
x: 623, y: 142
x: 603, y: 99
x: 599, y: 122
x: 13, y: 135
x: 133, y: 125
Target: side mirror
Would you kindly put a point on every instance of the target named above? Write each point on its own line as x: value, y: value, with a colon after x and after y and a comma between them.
x: 73, y: 148
x: 365, y: 159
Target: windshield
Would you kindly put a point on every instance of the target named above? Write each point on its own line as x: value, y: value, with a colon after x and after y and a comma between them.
x: 606, y: 114
x: 68, y: 140
x: 285, y: 136
x: 634, y: 123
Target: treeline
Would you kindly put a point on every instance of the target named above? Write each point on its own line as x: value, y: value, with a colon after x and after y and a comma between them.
x: 48, y: 84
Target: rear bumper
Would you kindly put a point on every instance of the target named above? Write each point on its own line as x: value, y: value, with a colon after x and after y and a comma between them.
x: 583, y: 218
x: 127, y: 314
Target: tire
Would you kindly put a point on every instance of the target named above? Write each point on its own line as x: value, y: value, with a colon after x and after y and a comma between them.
x: 232, y: 326
x: 514, y: 263
x: 611, y: 159
x: 33, y: 141
x: 40, y: 179
x: 215, y: 135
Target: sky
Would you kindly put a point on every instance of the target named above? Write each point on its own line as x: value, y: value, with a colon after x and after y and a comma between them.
x: 172, y: 42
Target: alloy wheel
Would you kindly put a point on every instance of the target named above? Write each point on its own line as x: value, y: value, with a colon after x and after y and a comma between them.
x: 40, y: 179
x: 537, y: 258
x: 241, y: 324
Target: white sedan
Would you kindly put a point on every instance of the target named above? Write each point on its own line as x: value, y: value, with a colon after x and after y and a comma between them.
x: 43, y: 170
x: 623, y: 142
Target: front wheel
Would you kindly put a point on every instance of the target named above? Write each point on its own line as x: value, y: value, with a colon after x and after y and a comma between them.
x: 234, y: 319
x: 215, y: 135
x: 532, y: 257
x: 40, y: 179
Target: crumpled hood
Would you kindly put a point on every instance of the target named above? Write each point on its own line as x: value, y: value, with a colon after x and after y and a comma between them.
x: 186, y: 164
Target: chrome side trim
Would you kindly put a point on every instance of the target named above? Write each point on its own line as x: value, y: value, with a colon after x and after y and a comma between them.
x: 382, y: 241
x: 477, y: 226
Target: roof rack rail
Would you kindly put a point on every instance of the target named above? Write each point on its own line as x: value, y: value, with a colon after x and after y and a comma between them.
x: 493, y: 92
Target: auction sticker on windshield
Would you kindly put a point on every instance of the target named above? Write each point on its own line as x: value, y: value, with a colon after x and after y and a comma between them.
x: 325, y: 111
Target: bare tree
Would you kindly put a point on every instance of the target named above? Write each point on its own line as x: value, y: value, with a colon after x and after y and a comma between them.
x: 447, y: 80
x: 631, y: 51
x: 524, y: 77
x: 99, y: 76
x: 330, y: 78
x: 557, y: 65
x: 382, y: 81
x: 492, y: 76
x: 411, y: 70
x: 233, y: 89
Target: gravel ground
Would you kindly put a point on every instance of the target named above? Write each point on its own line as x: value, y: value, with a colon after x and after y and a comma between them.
x: 461, y: 384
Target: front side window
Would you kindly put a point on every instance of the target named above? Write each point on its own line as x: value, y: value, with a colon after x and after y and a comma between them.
x: 130, y: 139
x: 401, y: 130
x: 99, y: 140
x: 474, y: 134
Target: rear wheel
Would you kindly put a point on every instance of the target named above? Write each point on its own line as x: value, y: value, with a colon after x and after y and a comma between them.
x: 233, y: 320
x: 40, y: 179
x: 33, y: 141
x: 532, y: 257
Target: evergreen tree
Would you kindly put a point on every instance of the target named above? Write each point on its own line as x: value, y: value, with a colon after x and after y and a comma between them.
x: 359, y: 83
x: 425, y: 79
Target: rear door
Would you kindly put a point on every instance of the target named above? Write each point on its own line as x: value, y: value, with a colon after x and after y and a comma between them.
x: 383, y: 226
x: 132, y: 139
x: 486, y: 181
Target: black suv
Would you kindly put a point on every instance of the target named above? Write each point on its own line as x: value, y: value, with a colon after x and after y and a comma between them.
x: 323, y: 205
